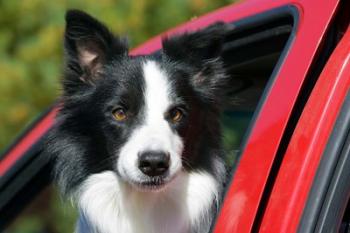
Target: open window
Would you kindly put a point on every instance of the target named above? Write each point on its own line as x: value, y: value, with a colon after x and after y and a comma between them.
x: 253, y: 53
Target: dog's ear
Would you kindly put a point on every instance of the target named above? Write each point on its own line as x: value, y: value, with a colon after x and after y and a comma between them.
x: 196, y: 47
x: 202, y: 51
x: 88, y: 46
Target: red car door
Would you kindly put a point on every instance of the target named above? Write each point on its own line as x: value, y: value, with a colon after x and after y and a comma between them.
x: 264, y: 145
x: 302, y: 160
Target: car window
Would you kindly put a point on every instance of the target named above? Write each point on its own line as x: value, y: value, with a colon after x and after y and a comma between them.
x: 251, y: 54
x: 253, y: 51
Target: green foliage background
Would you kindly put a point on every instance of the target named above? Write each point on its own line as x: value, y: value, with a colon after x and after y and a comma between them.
x: 31, y: 61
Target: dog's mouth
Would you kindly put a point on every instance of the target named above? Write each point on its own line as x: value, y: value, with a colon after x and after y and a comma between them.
x: 152, y: 184
x: 144, y: 183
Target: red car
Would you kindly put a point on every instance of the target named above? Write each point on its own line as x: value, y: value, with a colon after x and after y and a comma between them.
x: 290, y: 67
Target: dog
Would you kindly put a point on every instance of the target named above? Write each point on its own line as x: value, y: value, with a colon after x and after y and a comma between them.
x: 137, y: 141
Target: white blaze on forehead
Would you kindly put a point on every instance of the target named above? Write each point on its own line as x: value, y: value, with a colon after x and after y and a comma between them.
x: 154, y: 132
x: 156, y: 92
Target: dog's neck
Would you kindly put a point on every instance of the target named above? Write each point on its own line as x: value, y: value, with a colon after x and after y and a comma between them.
x: 112, y: 206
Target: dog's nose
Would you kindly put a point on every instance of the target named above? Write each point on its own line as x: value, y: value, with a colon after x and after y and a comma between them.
x: 154, y: 163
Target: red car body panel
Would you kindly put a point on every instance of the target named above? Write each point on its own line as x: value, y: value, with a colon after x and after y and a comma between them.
x: 243, y: 199
x: 244, y: 195
x: 287, y: 200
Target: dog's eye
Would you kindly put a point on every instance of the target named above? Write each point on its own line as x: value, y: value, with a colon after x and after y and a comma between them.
x: 175, y: 115
x: 119, y: 114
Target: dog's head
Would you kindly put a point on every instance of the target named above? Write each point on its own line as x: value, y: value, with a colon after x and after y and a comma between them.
x: 143, y: 117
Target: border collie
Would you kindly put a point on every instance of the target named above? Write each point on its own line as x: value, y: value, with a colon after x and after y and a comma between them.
x: 137, y: 143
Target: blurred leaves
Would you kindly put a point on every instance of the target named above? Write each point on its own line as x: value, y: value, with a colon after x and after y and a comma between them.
x: 31, y: 46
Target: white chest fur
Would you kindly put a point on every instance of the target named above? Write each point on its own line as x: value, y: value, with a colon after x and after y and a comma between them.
x: 184, y: 206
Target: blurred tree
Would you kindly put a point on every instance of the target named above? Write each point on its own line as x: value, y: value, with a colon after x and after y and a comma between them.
x: 31, y: 59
